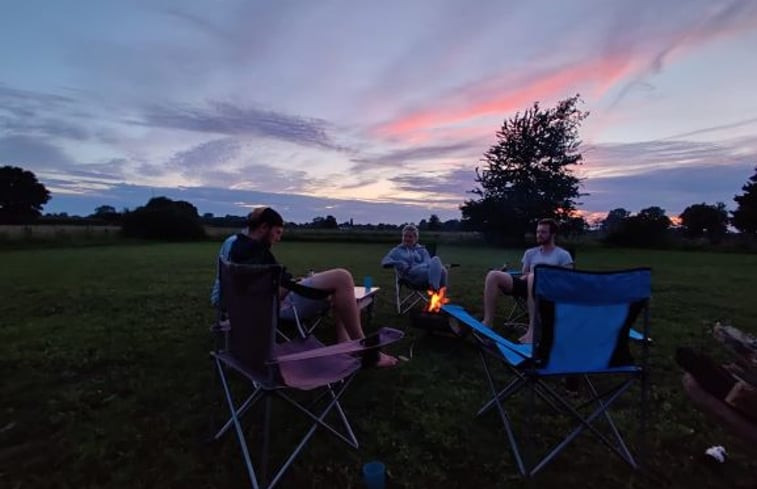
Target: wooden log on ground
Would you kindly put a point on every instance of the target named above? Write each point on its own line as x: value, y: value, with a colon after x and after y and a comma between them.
x: 720, y: 412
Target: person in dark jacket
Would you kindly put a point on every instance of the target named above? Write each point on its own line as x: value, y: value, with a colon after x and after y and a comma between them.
x: 253, y: 246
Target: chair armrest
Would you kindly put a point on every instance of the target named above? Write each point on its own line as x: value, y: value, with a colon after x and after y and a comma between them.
x: 382, y: 337
x: 309, y: 292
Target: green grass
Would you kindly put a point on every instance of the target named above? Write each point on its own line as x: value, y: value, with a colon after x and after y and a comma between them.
x: 105, y: 379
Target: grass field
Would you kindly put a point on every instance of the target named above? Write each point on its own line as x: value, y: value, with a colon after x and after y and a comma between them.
x: 105, y: 379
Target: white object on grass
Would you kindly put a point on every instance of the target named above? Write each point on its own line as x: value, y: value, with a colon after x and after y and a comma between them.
x: 717, y: 452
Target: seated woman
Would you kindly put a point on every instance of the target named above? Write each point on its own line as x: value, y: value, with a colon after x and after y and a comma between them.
x: 414, y: 263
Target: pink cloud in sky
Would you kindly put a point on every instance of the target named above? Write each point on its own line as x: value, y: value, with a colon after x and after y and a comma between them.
x: 594, y: 77
x: 599, y: 73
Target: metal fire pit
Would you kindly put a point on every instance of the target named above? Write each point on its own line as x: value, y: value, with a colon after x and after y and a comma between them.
x: 433, y: 322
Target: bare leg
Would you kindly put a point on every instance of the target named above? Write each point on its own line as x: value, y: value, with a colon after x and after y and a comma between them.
x: 344, y: 304
x: 528, y: 337
x: 496, y: 282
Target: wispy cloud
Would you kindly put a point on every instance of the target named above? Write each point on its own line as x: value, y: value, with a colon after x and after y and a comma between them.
x: 455, y: 183
x: 231, y: 120
x: 405, y: 157
x: 718, y: 128
x: 207, y: 155
x: 618, y: 160
x: 34, y: 152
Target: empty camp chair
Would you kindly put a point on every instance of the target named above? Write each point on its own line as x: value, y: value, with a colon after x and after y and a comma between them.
x: 583, y: 327
x: 250, y: 295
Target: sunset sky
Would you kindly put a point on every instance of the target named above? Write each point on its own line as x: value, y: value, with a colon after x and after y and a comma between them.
x: 376, y: 111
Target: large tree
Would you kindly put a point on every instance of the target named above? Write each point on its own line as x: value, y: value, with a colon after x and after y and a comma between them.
x: 163, y: 218
x: 528, y: 173
x: 704, y: 220
x: 21, y: 196
x: 745, y: 216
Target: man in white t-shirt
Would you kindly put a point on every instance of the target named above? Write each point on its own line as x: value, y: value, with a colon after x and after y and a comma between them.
x: 546, y: 253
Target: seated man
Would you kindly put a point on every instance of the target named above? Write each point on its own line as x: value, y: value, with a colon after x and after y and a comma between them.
x: 253, y: 246
x: 414, y: 263
x: 546, y: 253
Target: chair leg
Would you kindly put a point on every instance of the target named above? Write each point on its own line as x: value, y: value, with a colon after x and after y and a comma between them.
x: 504, y: 417
x: 584, y: 423
x: 333, y: 403
x: 237, y: 427
x: 628, y: 457
x: 265, y: 445
x: 317, y: 421
x: 241, y: 410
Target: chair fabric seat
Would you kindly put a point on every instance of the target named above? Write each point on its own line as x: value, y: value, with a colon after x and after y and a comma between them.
x: 305, y: 374
x: 313, y: 372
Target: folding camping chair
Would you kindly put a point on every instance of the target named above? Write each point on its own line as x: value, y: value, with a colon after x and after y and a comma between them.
x: 583, y: 327
x: 305, y: 325
x: 406, y: 293
x: 518, y: 313
x: 250, y: 295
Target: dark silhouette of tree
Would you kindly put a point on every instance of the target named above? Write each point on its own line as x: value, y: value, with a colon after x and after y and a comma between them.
x: 163, y: 218
x: 452, y: 225
x: 573, y: 226
x: 104, y: 209
x: 328, y: 222
x: 705, y: 221
x: 21, y: 196
x: 614, y: 219
x: 528, y: 174
x: 434, y: 223
x: 107, y: 213
x: 647, y: 228
x: 745, y: 215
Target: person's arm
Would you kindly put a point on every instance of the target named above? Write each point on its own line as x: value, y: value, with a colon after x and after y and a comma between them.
x: 567, y: 260
x: 425, y: 255
x: 526, y: 261
x: 395, y: 259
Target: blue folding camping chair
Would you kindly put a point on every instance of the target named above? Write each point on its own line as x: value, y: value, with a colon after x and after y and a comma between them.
x: 583, y: 326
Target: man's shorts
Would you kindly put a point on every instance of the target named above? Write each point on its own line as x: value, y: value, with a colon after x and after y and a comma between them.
x: 306, y: 307
x: 520, y: 287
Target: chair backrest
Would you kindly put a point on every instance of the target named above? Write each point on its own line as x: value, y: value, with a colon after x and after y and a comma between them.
x: 250, y: 296
x: 431, y: 248
x: 583, y: 317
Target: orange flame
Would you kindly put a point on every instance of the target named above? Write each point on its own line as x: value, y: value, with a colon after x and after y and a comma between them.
x: 437, y: 299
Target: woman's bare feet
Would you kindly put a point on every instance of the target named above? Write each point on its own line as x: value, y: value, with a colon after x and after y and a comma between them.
x: 526, y: 338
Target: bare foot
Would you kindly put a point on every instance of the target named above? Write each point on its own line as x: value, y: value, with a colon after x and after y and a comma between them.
x: 526, y: 338
x: 386, y: 361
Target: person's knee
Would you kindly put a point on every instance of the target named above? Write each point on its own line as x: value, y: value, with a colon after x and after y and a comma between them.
x: 343, y: 277
x: 498, y: 279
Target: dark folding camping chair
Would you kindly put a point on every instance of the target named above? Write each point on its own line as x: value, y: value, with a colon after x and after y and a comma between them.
x: 583, y: 327
x: 250, y: 295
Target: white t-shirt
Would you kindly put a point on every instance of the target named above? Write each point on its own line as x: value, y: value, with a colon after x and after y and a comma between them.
x: 535, y: 256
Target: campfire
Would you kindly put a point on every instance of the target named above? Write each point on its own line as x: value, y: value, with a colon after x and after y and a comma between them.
x: 437, y: 299
x: 432, y: 318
